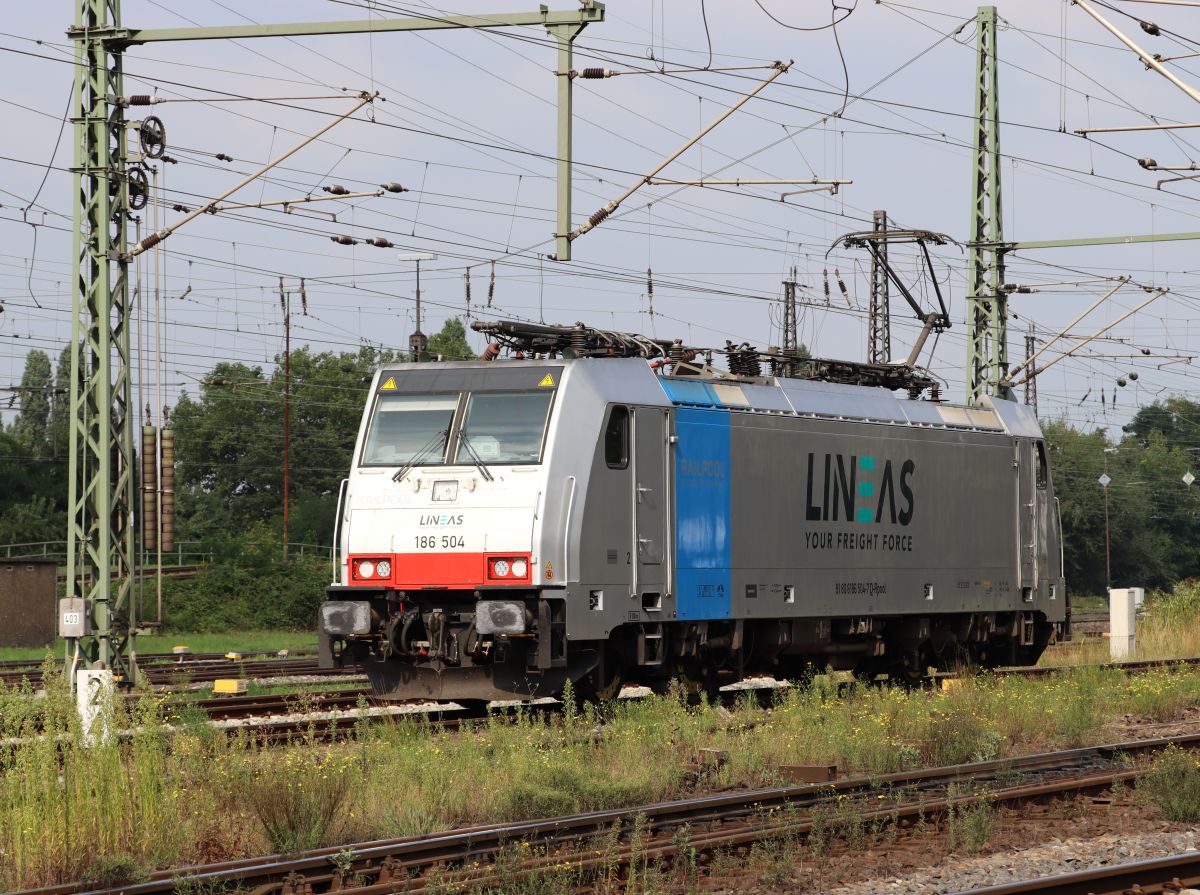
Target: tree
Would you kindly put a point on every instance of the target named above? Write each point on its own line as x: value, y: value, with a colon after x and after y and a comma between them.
x: 230, y: 442
x: 1076, y: 462
x: 32, y: 423
x: 1176, y: 418
x: 1152, y: 515
x: 450, y: 343
x: 60, y: 406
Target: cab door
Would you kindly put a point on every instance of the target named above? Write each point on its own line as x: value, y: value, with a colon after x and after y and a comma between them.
x: 1027, y: 523
x: 650, y: 500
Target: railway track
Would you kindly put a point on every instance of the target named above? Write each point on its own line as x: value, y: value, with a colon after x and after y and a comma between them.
x: 166, y: 670
x: 329, y: 715
x: 173, y: 671
x: 1171, y: 874
x: 590, y: 845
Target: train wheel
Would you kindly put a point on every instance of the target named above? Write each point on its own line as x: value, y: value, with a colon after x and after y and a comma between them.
x: 603, y: 683
x: 909, y: 671
x: 866, y: 671
x: 698, y: 680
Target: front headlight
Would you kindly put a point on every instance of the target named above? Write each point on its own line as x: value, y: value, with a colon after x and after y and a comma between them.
x: 520, y: 568
x: 366, y: 569
x: 383, y: 569
x: 500, y: 568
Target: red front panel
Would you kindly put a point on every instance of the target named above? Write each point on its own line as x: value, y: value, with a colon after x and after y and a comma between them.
x: 418, y: 570
x: 440, y: 570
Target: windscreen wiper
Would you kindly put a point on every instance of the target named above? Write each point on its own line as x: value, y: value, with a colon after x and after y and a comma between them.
x: 417, y: 458
x: 465, y: 440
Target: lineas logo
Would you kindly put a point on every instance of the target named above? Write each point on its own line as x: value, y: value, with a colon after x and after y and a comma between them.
x: 854, y: 488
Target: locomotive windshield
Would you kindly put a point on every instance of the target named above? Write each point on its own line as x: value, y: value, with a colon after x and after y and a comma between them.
x: 410, y: 430
x: 503, y: 427
x: 420, y: 430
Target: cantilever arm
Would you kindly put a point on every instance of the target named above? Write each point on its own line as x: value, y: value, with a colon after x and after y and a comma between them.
x: 159, y: 235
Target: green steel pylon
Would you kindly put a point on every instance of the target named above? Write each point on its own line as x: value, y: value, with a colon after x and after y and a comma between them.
x: 101, y: 487
x: 987, y: 305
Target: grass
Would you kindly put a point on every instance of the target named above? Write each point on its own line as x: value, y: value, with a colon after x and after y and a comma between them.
x: 202, y: 796
x: 239, y: 641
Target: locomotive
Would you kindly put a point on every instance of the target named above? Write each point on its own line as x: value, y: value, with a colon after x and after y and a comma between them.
x: 609, y: 509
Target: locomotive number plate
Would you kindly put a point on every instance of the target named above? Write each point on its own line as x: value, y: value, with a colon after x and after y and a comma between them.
x: 439, y: 542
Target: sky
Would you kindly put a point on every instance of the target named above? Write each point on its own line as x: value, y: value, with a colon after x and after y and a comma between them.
x: 465, y: 121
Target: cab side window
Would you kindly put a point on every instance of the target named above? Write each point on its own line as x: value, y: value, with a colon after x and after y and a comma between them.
x: 616, y: 438
x: 1043, y: 476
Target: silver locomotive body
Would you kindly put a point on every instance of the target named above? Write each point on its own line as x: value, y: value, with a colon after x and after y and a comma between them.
x: 597, y: 521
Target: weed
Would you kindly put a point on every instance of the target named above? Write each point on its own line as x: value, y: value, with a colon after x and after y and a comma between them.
x: 299, y: 803
x: 774, y: 860
x: 971, y: 821
x: 687, y: 863
x: 1172, y: 785
x: 344, y: 859
x: 822, y: 830
x: 1117, y: 791
x: 108, y: 871
x: 188, y: 885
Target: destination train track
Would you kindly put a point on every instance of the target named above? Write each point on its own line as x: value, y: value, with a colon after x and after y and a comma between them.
x: 604, y: 841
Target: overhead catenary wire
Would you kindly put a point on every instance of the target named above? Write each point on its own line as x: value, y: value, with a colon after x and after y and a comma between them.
x: 423, y: 191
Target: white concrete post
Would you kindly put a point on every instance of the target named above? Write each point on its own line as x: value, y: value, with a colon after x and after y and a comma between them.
x: 1122, y: 621
x: 94, y: 699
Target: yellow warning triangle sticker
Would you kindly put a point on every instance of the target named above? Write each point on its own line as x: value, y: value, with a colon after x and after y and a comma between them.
x: 389, y: 386
x: 547, y: 381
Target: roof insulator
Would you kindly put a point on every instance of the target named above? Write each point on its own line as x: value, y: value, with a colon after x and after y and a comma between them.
x: 343, y: 239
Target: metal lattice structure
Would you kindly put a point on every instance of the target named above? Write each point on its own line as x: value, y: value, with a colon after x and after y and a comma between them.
x: 987, y: 306
x: 791, y: 335
x: 879, y: 322
x: 101, y: 484
x: 1031, y: 382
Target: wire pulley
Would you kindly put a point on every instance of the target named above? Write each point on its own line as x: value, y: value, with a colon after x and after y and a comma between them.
x: 152, y: 135
x: 139, y: 187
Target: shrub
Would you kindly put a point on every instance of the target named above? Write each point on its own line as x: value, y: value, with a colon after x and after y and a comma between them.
x: 248, y: 586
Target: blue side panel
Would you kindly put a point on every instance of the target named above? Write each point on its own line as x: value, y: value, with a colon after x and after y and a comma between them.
x: 702, y: 555
x: 689, y: 391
